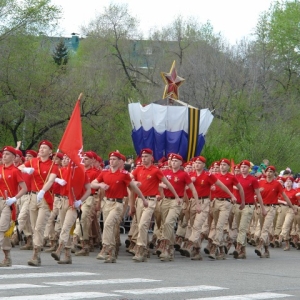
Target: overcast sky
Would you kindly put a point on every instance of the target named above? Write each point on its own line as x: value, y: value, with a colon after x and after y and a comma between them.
x: 233, y: 18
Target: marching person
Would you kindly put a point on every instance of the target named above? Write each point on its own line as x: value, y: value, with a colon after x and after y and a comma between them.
x: 115, y: 182
x: 12, y: 187
x: 148, y: 178
x: 171, y: 206
x: 68, y: 212
x: 41, y: 200
x: 270, y: 189
x: 243, y: 217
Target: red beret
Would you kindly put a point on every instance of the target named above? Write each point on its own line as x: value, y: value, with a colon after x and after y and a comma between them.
x: 94, y: 154
x: 99, y: 159
x: 10, y: 149
x: 225, y: 160
x: 237, y: 166
x: 0, y: 154
x: 245, y: 163
x: 146, y: 151
x: 89, y: 154
x: 296, y: 180
x: 23, y: 159
x: 116, y: 154
x: 177, y: 156
x: 123, y: 157
x: 59, y: 155
x: 270, y: 168
x: 31, y: 152
x: 189, y: 163
x: 163, y: 159
x: 45, y: 142
x: 289, y: 178
x: 200, y: 158
x: 170, y: 155
x: 19, y: 152
x: 215, y: 163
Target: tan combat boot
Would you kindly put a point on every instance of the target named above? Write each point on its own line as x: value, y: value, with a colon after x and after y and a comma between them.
x: 237, y: 250
x: 221, y: 254
x: 165, y: 254
x: 189, y: 249
x: 53, y: 246
x: 266, y: 253
x: 84, y: 250
x: 7, y: 259
x: 208, y: 246
x: 141, y: 255
x: 67, y: 259
x: 259, y: 247
x: 196, y: 255
x: 56, y: 254
x: 103, y: 253
x: 287, y: 245
x: 111, y: 257
x: 14, y: 240
x: 242, y: 254
x: 28, y: 245
x: 212, y: 253
x: 36, y: 259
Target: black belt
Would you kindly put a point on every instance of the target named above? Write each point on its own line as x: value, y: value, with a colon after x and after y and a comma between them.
x: 171, y: 198
x: 57, y: 195
x: 151, y: 197
x: 119, y: 200
x: 33, y: 192
x: 28, y: 193
x: 224, y: 199
x: 271, y: 204
x: 203, y: 197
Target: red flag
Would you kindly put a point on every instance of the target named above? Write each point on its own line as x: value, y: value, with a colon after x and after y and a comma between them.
x: 71, y: 144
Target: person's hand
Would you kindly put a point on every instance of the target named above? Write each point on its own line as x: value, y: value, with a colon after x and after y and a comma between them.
x: 158, y: 197
x: 104, y: 186
x: 193, y: 179
x: 163, y: 185
x: 233, y: 200
x: 40, y: 196
x: 198, y: 208
x: 179, y: 200
x: 77, y: 203
x: 10, y: 201
x: 263, y: 211
x: 295, y: 210
x: 28, y: 170
x: 145, y: 202
x: 242, y: 206
x: 60, y: 181
x: 131, y: 211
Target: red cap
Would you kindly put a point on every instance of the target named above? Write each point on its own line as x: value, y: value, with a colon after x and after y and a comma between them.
x: 19, y: 152
x: 170, y: 155
x: 245, y: 163
x: 89, y: 154
x: 123, y: 157
x: 45, y: 142
x: 215, y: 163
x: 162, y: 160
x: 99, y: 159
x: 225, y: 160
x: 272, y: 168
x: 116, y: 154
x: 59, y: 155
x: 146, y: 151
x: 31, y: 152
x: 23, y: 159
x: 200, y: 158
x: 289, y: 178
x: 177, y: 156
x: 10, y: 149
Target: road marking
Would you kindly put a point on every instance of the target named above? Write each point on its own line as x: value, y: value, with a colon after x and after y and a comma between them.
x: 172, y: 290
x: 19, y: 286
x: 258, y: 296
x: 19, y: 267
x: 96, y: 282
x: 62, y: 296
x: 50, y: 274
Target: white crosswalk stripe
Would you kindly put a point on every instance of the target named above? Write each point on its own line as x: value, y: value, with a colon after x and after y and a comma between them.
x: 96, y: 282
x: 172, y: 290
x: 50, y: 274
x: 19, y: 286
x: 62, y: 296
x: 258, y: 296
x: 19, y: 267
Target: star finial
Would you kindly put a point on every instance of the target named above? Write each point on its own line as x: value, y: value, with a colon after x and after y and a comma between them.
x: 172, y: 82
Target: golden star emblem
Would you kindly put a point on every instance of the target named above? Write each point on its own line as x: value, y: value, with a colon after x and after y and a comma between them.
x: 173, y: 82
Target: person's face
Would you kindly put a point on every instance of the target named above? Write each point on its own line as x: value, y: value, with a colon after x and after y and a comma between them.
x: 288, y: 183
x: 7, y: 157
x: 216, y: 169
x: 244, y: 169
x: 17, y: 159
x: 44, y: 151
x: 176, y: 163
x: 270, y: 174
x: 57, y: 160
x: 65, y: 161
x: 146, y: 159
x: 199, y: 165
x: 28, y: 157
x: 188, y: 169
x: 87, y: 161
x: 114, y: 162
x: 224, y: 167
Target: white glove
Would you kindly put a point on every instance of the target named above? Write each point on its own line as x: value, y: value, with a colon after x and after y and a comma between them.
x: 60, y: 181
x: 40, y: 196
x: 28, y: 170
x: 10, y: 201
x: 77, y: 203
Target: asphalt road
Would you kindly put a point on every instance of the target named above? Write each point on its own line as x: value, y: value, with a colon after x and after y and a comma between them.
x: 89, y: 278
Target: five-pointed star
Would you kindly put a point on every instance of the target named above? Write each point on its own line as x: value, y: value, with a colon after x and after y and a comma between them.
x: 172, y: 82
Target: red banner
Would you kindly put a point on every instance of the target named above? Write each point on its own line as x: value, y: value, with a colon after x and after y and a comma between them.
x: 71, y: 144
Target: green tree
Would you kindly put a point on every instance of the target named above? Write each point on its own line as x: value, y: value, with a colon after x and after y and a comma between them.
x: 60, y: 53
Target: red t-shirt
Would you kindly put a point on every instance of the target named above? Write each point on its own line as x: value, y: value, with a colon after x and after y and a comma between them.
x: 203, y: 183
x: 41, y: 171
x: 55, y: 188
x: 270, y: 191
x: 249, y: 184
x: 149, y: 179
x: 28, y: 181
x: 292, y: 196
x: 117, y: 181
x: 64, y: 171
x: 10, y: 177
x: 229, y: 180
x: 179, y: 180
x: 92, y: 173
